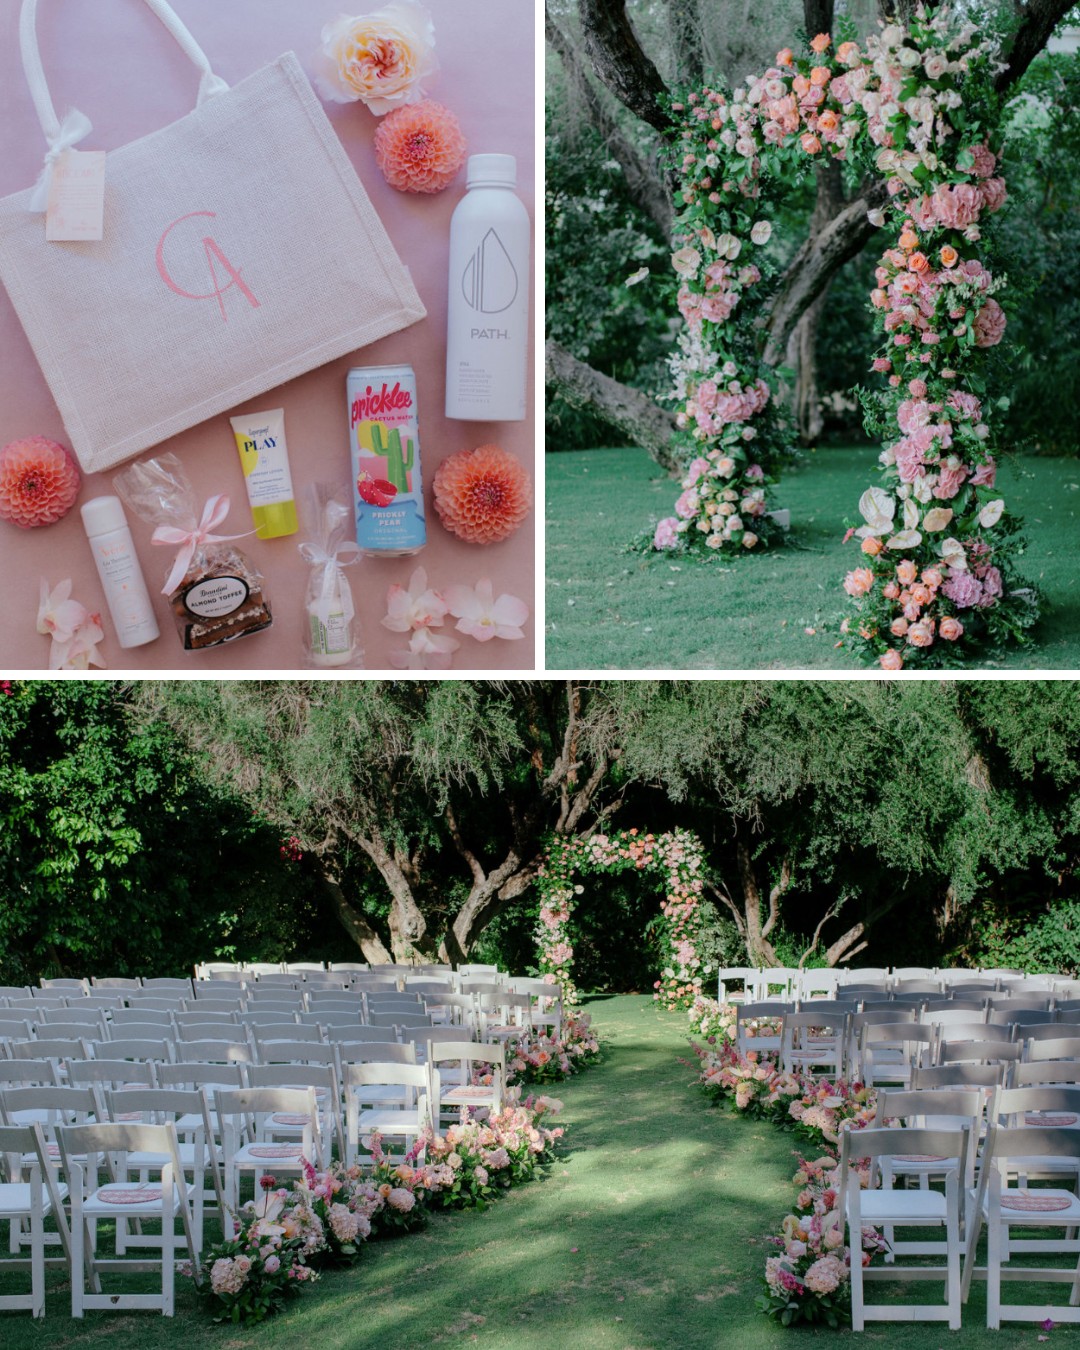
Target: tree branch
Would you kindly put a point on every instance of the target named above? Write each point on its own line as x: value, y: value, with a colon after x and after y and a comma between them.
x: 776, y: 893
x: 814, y: 265
x: 619, y: 62
x: 630, y: 411
x: 721, y: 894
x: 642, y: 180
x: 1041, y: 17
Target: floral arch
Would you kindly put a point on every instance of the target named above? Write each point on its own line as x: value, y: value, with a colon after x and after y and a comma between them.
x: 678, y: 862
x: 917, y: 108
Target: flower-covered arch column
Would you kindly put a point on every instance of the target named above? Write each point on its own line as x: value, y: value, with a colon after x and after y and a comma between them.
x: 917, y: 107
x: 677, y: 859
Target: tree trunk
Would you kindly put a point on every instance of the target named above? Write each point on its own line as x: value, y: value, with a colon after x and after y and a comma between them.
x: 759, y: 950
x: 645, y: 185
x: 619, y: 62
x: 633, y: 413
x: 351, y: 919
x: 802, y: 355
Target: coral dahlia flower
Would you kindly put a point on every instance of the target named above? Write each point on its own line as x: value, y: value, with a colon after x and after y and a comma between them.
x: 482, y: 495
x: 39, y: 481
x: 420, y: 148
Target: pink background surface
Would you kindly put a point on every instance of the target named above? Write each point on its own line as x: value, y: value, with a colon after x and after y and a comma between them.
x: 115, y: 62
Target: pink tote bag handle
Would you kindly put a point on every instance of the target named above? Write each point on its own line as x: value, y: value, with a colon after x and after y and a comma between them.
x: 64, y: 135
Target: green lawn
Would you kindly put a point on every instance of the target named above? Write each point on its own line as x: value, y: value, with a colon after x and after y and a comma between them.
x: 609, y: 609
x: 646, y: 1235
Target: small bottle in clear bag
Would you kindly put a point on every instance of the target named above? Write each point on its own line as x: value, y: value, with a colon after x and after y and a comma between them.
x: 331, y: 634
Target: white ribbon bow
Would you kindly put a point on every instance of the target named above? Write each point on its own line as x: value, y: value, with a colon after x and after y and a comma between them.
x: 214, y: 512
x: 319, y: 557
x: 73, y: 129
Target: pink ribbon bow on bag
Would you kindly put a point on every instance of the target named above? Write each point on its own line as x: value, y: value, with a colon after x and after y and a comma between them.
x: 214, y: 512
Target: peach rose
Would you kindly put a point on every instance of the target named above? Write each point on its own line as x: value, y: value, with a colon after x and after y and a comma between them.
x: 872, y: 546
x: 820, y: 76
x: 950, y: 629
x: 932, y: 577
x: 949, y: 256
x: 890, y: 590
x: 810, y: 143
x: 909, y: 239
x: 801, y: 85
x: 920, y: 634
x: 785, y: 57
x: 848, y: 54
x: 828, y: 121
x: 820, y: 43
x: 906, y: 572
x: 859, y: 581
x: 898, y: 627
x: 891, y: 660
x: 918, y: 262
x: 380, y: 59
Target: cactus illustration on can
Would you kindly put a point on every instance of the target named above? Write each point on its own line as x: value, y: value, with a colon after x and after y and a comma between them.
x: 384, y: 443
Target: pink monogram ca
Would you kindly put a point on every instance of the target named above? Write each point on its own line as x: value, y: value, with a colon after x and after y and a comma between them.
x: 215, y: 259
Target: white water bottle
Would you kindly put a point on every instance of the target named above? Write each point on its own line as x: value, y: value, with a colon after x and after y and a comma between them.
x: 118, y: 567
x: 488, y: 324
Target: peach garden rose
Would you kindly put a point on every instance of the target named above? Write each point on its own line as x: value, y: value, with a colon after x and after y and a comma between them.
x: 381, y: 59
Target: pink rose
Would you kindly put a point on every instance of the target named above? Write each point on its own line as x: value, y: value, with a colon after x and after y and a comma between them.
x: 891, y: 660
x: 950, y: 629
x: 920, y: 634
x: 989, y: 324
x: 667, y: 533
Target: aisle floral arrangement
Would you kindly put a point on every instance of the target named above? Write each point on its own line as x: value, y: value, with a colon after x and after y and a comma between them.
x: 807, y: 1279
x: 552, y: 1057
x: 322, y: 1218
x: 917, y: 107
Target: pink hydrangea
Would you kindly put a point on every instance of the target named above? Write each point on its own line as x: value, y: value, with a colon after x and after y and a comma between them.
x: 985, y: 475
x: 963, y: 590
x: 985, y: 160
x: 957, y: 205
x: 952, y: 475
x: 993, y: 193
x: 687, y: 505
x: 989, y: 324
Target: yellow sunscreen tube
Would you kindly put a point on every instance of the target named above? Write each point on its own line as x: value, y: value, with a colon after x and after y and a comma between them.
x: 264, y: 456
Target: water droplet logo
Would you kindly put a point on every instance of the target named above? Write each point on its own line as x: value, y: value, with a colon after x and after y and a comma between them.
x: 490, y: 280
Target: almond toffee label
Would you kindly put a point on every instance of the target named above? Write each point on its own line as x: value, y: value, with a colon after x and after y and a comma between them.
x: 216, y: 596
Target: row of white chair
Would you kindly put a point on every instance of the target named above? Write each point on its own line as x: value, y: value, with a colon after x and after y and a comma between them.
x: 1030, y: 1137
x: 736, y: 983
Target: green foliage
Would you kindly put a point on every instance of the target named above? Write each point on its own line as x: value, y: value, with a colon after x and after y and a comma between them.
x: 114, y: 857
x: 1040, y: 239
x: 597, y: 235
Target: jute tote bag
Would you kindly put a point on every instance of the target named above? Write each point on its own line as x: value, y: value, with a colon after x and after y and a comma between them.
x: 239, y: 251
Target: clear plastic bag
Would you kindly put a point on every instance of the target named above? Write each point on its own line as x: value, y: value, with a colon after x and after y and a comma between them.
x: 216, y: 593
x: 331, y: 631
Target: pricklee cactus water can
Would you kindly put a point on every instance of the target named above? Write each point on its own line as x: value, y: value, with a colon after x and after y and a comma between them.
x: 384, y: 442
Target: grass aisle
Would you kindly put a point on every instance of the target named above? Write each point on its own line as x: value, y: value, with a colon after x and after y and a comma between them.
x: 609, y: 609
x: 645, y: 1235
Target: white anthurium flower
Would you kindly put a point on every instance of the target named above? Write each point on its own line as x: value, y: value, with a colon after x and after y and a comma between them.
x: 761, y: 232
x: 911, y: 514
x: 923, y: 489
x: 707, y: 237
x: 635, y: 277
x: 728, y: 246
x: 903, y: 492
x: 877, y: 507
x: 686, y: 261
x: 937, y: 518
x: 991, y: 513
x: 904, y: 540
x: 953, y: 555
x: 876, y: 217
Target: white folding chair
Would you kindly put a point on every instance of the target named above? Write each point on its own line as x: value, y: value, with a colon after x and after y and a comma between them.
x: 324, y: 1079
x: 88, y: 1150
x: 28, y: 1195
x: 253, y: 1142
x: 390, y: 1099
x: 901, y: 1208
x: 453, y: 1088
x: 186, y: 1110
x: 1003, y: 1207
x: 813, y: 1040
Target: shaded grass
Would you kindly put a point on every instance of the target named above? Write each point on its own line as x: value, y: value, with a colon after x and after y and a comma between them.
x: 609, y: 609
x: 646, y: 1234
